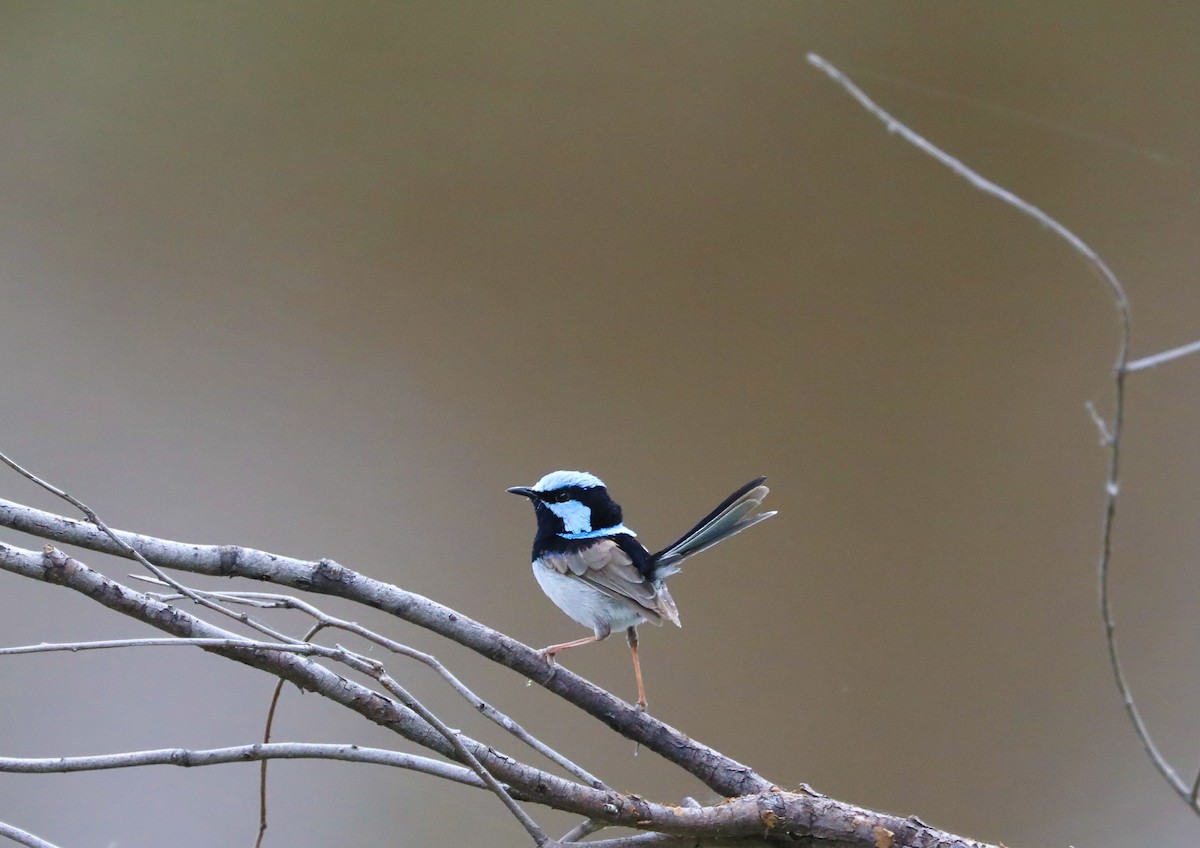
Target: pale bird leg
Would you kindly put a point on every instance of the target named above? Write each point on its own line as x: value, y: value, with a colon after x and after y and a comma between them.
x: 550, y: 651
x: 632, y: 637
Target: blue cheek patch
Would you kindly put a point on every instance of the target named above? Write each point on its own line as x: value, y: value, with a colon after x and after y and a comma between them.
x: 576, y: 517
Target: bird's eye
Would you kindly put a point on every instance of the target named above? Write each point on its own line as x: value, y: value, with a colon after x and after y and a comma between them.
x: 562, y: 497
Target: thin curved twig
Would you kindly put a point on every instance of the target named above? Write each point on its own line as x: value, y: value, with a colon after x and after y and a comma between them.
x: 1110, y: 433
x: 484, y: 708
x: 131, y: 551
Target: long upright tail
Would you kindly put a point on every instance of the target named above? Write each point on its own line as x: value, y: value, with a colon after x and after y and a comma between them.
x: 732, y: 516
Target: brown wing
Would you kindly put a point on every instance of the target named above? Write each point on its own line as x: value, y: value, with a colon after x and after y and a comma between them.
x: 606, y: 567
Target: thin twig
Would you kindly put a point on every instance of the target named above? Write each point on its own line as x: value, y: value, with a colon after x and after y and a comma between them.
x: 1101, y: 424
x: 24, y: 837
x: 645, y: 840
x: 1162, y: 358
x: 238, y: 642
x: 262, y: 769
x: 1121, y: 368
x: 486, y: 709
x: 455, y: 738
x: 584, y: 828
x: 133, y: 552
x: 241, y: 754
x: 984, y: 184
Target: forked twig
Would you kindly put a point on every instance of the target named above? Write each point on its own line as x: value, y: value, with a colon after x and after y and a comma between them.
x: 262, y: 767
x: 133, y: 552
x: 1110, y: 433
x: 326, y: 620
x: 367, y: 666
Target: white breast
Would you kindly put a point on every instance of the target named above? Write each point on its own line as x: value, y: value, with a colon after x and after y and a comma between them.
x: 586, y: 604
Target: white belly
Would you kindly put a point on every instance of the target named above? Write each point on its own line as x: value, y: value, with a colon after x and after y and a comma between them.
x: 586, y: 604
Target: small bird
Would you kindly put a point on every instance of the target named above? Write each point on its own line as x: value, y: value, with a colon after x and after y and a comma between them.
x: 597, y: 572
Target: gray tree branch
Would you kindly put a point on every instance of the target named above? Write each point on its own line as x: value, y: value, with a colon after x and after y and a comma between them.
x: 1110, y: 431
x: 768, y: 815
x: 720, y: 773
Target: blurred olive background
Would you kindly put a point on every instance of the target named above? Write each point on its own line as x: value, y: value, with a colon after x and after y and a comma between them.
x: 325, y: 278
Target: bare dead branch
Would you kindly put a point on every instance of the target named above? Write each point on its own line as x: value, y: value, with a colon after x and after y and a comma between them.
x: 645, y: 840
x: 766, y: 815
x: 1162, y: 358
x: 108, y: 644
x: 720, y: 773
x: 55, y: 567
x: 262, y: 769
x: 24, y: 837
x: 584, y: 828
x: 984, y: 184
x: 362, y: 664
x: 456, y: 740
x: 484, y: 708
x: 131, y: 552
x: 1111, y: 433
x: 186, y: 758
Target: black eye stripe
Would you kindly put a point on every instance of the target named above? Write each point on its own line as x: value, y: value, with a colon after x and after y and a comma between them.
x: 562, y: 495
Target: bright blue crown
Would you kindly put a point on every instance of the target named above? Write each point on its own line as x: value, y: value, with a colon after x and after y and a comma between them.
x: 563, y: 479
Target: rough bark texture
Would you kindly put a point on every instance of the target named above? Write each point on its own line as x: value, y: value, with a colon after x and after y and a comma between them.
x: 755, y: 809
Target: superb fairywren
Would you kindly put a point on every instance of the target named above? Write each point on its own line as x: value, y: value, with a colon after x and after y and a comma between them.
x: 597, y: 572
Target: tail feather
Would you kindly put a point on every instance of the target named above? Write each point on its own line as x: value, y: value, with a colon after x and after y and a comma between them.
x: 724, y: 521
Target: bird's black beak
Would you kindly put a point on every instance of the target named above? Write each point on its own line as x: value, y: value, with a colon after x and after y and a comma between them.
x: 523, y: 491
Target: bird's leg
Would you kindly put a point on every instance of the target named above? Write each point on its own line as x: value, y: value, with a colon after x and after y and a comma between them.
x: 631, y: 635
x: 548, y: 652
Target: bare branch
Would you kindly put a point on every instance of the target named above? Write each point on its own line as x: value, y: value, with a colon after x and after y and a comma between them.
x: 720, y: 773
x: 456, y: 739
x: 128, y: 550
x: 362, y: 664
x: 24, y: 837
x: 242, y: 754
x: 584, y: 828
x: 984, y: 184
x: 486, y: 709
x: 1101, y: 424
x: 55, y: 567
x: 370, y: 667
x: 1111, y: 432
x: 644, y: 840
x: 1162, y: 358
x: 235, y: 642
x: 262, y: 769
x: 770, y: 813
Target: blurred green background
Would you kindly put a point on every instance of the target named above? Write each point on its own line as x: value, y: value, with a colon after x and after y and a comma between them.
x: 325, y: 278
